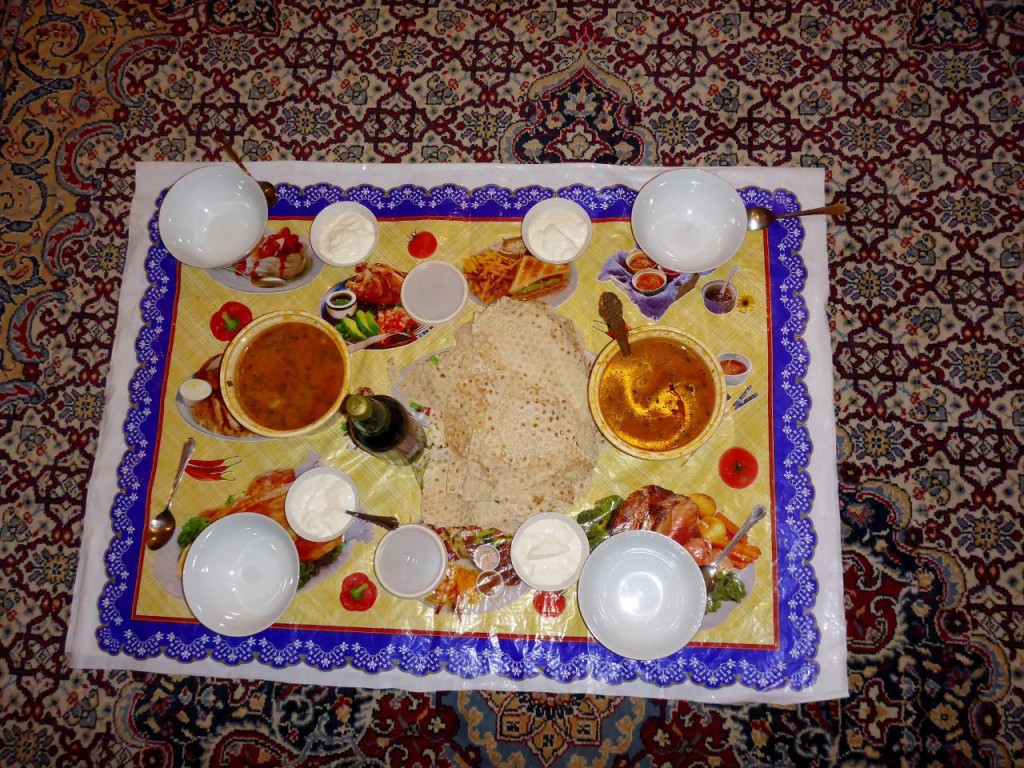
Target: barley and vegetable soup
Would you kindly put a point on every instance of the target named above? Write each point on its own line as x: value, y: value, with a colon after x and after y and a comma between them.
x: 659, y: 398
x: 289, y: 376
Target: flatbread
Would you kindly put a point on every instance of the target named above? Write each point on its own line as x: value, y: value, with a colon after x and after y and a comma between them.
x: 511, y: 430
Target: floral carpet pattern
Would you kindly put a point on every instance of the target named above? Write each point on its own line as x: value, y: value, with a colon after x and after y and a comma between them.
x: 915, y: 110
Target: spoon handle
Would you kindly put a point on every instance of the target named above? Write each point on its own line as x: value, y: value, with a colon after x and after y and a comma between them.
x: 829, y: 210
x: 186, y: 453
x: 756, y: 515
x: 222, y: 141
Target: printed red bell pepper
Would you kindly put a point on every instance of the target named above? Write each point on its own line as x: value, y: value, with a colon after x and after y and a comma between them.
x: 358, y: 593
x: 227, y: 321
x: 549, y: 604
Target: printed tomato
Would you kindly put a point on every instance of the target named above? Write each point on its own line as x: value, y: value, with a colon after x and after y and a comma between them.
x: 737, y: 467
x: 422, y: 245
x: 227, y: 321
x: 358, y: 593
x: 549, y: 604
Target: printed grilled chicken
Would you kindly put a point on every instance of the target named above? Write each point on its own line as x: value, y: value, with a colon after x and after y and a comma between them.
x: 653, y: 508
x: 377, y: 284
x: 265, y: 496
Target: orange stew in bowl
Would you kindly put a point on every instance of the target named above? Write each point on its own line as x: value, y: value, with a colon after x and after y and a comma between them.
x: 733, y: 367
x: 650, y: 282
x: 659, y: 398
x: 289, y: 376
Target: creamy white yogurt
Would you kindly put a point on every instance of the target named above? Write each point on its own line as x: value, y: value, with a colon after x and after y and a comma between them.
x: 317, y: 504
x: 556, y: 230
x: 548, y: 551
x: 344, y: 234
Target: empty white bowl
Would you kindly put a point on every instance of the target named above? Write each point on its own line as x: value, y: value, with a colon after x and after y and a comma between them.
x: 410, y: 561
x: 212, y: 217
x: 344, y: 234
x: 642, y: 595
x: 240, y: 575
x: 557, y: 230
x: 688, y: 220
x: 434, y: 292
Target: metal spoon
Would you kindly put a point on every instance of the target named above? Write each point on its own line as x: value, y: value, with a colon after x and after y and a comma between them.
x: 387, y: 523
x: 758, y: 217
x: 161, y: 527
x: 269, y: 190
x: 708, y: 571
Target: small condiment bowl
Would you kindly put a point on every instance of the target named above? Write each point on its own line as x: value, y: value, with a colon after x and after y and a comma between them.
x: 333, y: 502
x: 689, y: 220
x: 520, y: 556
x: 649, y: 282
x: 193, y: 391
x: 410, y: 561
x: 353, y: 255
x: 212, y: 217
x: 533, y: 238
x: 240, y: 344
x: 638, y: 260
x: 734, y: 379
x: 340, y: 304
x: 716, y: 305
x: 434, y: 292
x: 611, y: 351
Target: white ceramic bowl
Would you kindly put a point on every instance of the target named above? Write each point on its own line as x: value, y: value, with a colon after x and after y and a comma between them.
x: 359, y: 241
x: 550, y: 547
x: 323, y: 494
x: 240, y: 574
x: 557, y: 230
x: 735, y: 379
x: 642, y: 595
x: 213, y: 216
x: 410, y: 561
x: 688, y: 220
x: 434, y: 292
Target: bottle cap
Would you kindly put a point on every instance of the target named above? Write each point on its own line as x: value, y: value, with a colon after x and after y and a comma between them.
x: 358, y: 406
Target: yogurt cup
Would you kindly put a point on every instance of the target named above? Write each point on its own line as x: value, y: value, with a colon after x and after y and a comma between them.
x: 434, y: 292
x: 194, y: 391
x: 344, y: 234
x: 317, y: 502
x: 548, y: 552
x: 557, y: 230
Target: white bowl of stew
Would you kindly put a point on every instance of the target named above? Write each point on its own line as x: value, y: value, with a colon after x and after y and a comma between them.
x: 663, y: 401
x: 285, y: 374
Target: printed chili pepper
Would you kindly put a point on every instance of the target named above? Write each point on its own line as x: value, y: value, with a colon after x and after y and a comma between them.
x: 211, y: 469
x: 227, y: 321
x: 358, y: 593
x: 550, y: 604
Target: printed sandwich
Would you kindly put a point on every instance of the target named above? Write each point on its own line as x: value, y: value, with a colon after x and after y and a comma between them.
x: 536, y: 279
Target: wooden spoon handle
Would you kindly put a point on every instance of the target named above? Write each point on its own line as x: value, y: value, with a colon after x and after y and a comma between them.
x: 222, y: 142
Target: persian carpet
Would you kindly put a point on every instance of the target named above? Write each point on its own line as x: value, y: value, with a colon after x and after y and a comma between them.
x: 914, y: 109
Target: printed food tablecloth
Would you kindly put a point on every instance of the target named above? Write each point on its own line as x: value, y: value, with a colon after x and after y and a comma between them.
x: 784, y: 641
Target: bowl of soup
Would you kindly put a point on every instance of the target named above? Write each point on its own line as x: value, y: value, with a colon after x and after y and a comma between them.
x: 661, y: 402
x: 285, y: 374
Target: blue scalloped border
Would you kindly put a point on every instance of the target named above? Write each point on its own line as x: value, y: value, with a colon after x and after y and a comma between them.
x: 792, y: 664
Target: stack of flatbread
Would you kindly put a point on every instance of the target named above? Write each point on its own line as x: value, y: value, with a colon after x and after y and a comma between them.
x: 511, y: 433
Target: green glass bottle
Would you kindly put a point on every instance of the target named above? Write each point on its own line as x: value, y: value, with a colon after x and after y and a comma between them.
x: 380, y: 425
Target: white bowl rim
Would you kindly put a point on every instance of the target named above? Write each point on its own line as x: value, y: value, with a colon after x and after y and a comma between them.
x: 192, y: 576
x: 289, y: 501
x: 553, y: 203
x: 219, y: 169
x: 340, y: 207
x: 576, y: 529
x: 383, y: 579
x: 730, y: 198
x: 640, y: 649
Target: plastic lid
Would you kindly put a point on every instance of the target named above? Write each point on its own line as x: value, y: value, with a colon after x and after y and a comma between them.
x: 434, y: 292
x: 410, y: 561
